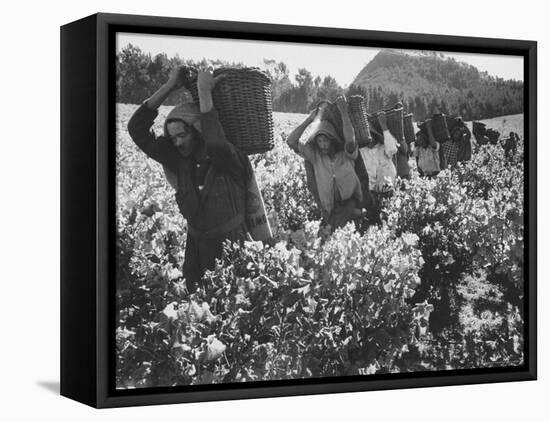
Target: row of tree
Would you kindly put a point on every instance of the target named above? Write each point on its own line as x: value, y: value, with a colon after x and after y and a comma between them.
x: 467, y: 105
x: 426, y: 82
x: 139, y: 74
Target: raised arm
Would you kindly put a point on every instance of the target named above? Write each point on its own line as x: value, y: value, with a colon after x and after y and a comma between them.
x: 350, y: 145
x: 390, y: 143
x: 293, y: 139
x: 223, y: 153
x: 175, y: 81
x: 431, y: 138
x: 159, y: 148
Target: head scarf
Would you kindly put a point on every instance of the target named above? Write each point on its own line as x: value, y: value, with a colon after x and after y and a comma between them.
x: 189, y: 113
x: 323, y: 127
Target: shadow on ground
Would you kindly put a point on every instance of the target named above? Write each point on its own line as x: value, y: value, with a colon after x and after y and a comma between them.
x: 51, y: 386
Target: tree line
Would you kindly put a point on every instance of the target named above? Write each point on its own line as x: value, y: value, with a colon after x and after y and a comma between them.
x: 139, y: 74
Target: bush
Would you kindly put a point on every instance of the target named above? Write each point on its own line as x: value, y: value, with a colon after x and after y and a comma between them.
x: 438, y: 285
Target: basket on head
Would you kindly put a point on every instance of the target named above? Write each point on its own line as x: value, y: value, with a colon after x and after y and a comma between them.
x: 376, y: 131
x: 454, y: 122
x: 439, y: 128
x: 243, y: 99
x: 408, y: 128
x: 359, y: 119
x: 493, y: 135
x: 479, y: 128
x: 329, y: 112
x: 394, y: 117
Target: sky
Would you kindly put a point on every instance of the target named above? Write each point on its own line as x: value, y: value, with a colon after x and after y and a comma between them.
x: 341, y: 62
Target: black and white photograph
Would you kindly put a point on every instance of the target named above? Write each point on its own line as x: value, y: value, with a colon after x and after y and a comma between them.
x: 275, y: 211
x: 299, y: 211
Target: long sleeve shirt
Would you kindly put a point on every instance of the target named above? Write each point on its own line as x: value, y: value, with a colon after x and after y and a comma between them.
x: 379, y: 164
x: 220, y: 152
x: 335, y: 177
x: 428, y: 158
x: 211, y: 192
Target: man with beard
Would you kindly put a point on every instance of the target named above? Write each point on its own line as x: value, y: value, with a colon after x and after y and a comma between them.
x: 208, y: 173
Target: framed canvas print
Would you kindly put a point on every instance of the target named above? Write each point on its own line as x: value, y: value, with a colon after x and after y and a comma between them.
x: 253, y: 210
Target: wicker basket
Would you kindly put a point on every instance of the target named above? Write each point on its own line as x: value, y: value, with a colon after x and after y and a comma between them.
x: 243, y: 99
x: 493, y: 136
x: 376, y: 131
x: 439, y: 128
x: 329, y: 112
x: 394, y: 117
x: 408, y: 128
x: 359, y: 119
x: 479, y: 128
x: 454, y: 122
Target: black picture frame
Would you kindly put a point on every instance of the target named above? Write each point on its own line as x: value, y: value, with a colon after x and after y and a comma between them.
x: 88, y: 214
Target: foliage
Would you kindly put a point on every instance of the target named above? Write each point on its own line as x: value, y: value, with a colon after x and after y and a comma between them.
x: 438, y: 285
x: 470, y: 227
x: 139, y: 75
x: 426, y: 83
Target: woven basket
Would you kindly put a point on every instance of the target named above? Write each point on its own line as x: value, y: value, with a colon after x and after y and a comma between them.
x: 455, y: 122
x: 376, y: 131
x: 452, y: 123
x: 394, y: 119
x: 408, y: 128
x: 493, y: 136
x: 359, y: 119
x: 479, y: 128
x: 243, y: 99
x: 439, y: 128
x: 331, y: 114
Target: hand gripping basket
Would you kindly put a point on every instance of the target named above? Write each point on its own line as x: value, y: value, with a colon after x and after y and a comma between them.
x: 359, y: 119
x: 243, y: 99
x: 408, y: 128
x: 329, y: 111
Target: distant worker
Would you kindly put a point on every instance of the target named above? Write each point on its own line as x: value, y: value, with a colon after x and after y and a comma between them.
x: 426, y: 152
x: 333, y: 159
x: 378, y: 158
x: 510, y: 145
x: 463, y: 138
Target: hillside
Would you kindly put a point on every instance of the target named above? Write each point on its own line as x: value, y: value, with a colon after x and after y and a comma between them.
x: 428, y: 82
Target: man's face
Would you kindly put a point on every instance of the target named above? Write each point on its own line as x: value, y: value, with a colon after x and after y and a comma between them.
x: 324, y: 143
x: 183, y: 137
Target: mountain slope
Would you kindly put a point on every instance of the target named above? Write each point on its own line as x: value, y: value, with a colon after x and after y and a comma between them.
x: 427, y: 82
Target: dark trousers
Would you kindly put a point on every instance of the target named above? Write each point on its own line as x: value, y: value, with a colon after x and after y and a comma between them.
x: 201, y: 254
x: 343, y: 212
x: 373, y: 205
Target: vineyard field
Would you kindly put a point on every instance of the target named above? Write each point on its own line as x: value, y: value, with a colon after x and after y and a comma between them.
x: 438, y: 285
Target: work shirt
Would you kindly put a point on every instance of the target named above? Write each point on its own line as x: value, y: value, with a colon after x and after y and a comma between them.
x: 211, y: 193
x: 449, y: 153
x: 401, y: 161
x: 428, y: 158
x: 379, y: 164
x: 333, y: 176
